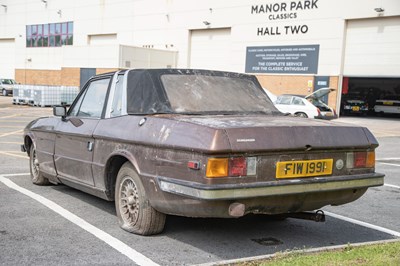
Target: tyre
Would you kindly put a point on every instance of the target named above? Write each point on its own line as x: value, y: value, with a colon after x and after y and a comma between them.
x: 135, y: 214
x: 4, y: 92
x: 300, y: 114
x: 36, y: 176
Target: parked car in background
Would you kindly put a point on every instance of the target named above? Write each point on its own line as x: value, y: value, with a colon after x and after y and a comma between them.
x: 7, y: 86
x: 309, y: 106
x: 354, y: 104
x: 196, y: 143
x: 390, y: 105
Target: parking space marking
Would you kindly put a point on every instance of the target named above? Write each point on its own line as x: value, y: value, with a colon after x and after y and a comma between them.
x: 393, y: 186
x: 387, y: 159
x: 9, y: 142
x: 368, y: 225
x: 115, y: 243
x: 11, y: 133
x: 391, y: 164
x: 10, y: 126
x: 9, y: 116
x: 14, y: 155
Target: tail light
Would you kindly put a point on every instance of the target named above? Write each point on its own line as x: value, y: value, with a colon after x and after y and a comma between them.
x: 361, y: 159
x: 233, y: 166
x: 318, y: 111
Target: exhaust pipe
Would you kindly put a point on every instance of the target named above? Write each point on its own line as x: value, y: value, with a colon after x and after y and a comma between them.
x: 318, y: 216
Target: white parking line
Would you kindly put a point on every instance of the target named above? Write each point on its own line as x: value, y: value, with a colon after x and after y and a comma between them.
x: 393, y: 186
x: 387, y: 159
x: 118, y: 245
x: 391, y: 164
x: 368, y: 225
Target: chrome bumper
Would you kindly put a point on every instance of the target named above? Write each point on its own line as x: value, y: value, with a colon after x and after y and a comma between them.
x: 272, y: 188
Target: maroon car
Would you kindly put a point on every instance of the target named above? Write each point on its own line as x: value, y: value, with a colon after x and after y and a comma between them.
x: 196, y: 143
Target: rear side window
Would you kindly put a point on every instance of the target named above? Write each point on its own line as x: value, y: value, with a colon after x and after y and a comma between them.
x: 298, y: 101
x: 284, y: 100
x: 116, y: 108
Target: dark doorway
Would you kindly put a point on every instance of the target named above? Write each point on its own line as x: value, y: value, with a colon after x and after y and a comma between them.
x: 86, y: 74
x: 368, y: 90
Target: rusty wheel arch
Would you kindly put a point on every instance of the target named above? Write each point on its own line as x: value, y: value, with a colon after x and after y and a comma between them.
x: 28, y: 142
x: 113, y: 166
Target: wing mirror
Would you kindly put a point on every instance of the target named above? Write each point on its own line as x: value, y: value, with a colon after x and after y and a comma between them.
x: 60, y: 111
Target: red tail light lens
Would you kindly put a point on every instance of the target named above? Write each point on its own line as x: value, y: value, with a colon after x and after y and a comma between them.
x: 237, y: 166
x: 233, y: 166
x: 361, y: 159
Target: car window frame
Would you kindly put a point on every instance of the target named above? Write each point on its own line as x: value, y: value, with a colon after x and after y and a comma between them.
x: 82, y: 95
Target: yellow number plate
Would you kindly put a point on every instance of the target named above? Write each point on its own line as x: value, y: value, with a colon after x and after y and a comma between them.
x: 356, y: 108
x: 291, y: 169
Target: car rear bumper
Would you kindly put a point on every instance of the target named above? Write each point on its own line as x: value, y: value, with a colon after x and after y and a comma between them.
x: 326, y: 117
x: 265, y: 189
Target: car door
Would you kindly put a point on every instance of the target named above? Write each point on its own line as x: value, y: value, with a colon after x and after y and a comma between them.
x: 74, y: 140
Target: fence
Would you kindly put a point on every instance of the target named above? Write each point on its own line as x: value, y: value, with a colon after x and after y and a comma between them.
x: 44, y: 95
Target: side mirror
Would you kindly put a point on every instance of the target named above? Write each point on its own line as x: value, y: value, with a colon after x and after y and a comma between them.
x: 60, y: 111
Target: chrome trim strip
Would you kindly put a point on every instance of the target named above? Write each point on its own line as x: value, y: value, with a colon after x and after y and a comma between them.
x: 250, y: 192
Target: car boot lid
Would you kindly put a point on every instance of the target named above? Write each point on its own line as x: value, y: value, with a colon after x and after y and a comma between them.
x: 319, y: 93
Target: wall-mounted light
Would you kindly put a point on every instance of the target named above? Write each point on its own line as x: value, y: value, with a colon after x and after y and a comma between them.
x: 379, y: 9
x: 207, y: 23
x: 45, y: 2
x: 5, y: 8
x: 59, y: 12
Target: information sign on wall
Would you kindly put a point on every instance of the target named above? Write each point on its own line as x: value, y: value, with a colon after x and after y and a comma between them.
x: 291, y: 59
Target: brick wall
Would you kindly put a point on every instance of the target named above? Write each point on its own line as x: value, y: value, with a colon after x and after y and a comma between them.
x: 294, y: 84
x: 67, y: 76
x: 70, y: 76
x: 38, y: 77
x: 105, y: 70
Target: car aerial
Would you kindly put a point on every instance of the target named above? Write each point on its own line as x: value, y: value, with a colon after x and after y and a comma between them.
x: 196, y: 143
x: 388, y: 105
x: 7, y: 86
x: 354, y: 104
x: 309, y: 106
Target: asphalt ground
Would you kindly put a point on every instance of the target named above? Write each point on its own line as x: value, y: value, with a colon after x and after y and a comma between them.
x: 58, y: 225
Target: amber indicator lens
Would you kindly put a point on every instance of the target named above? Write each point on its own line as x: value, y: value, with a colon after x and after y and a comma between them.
x: 217, y: 167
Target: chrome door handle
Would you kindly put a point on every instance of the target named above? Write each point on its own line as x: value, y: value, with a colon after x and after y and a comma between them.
x: 90, y: 146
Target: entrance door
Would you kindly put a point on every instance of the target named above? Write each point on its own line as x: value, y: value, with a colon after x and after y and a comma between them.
x: 86, y: 74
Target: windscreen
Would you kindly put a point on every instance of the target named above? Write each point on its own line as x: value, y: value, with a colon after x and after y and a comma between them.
x: 214, y: 94
x: 8, y: 81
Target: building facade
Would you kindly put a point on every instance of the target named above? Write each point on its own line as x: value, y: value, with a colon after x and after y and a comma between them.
x: 291, y: 46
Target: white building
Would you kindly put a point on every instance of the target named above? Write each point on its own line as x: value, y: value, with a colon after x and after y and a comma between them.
x: 292, y: 46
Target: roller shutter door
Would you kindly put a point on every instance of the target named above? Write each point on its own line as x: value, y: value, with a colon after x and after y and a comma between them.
x: 372, y: 48
x: 210, y: 49
x: 7, y: 58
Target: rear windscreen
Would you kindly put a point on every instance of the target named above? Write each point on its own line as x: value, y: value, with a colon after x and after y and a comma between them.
x: 205, y: 94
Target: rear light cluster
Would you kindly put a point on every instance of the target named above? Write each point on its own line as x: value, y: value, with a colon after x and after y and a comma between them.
x: 360, y: 159
x: 234, y: 166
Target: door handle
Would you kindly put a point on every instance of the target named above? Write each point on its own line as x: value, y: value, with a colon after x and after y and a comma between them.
x: 90, y: 146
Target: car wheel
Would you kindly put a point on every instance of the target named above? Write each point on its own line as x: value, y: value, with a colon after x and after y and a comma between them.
x: 36, y: 176
x: 4, y: 92
x: 300, y: 114
x: 135, y: 214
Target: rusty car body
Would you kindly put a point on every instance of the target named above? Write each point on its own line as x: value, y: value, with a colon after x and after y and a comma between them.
x: 196, y: 143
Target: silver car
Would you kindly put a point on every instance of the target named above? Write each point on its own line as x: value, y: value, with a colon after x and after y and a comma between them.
x: 7, y: 86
